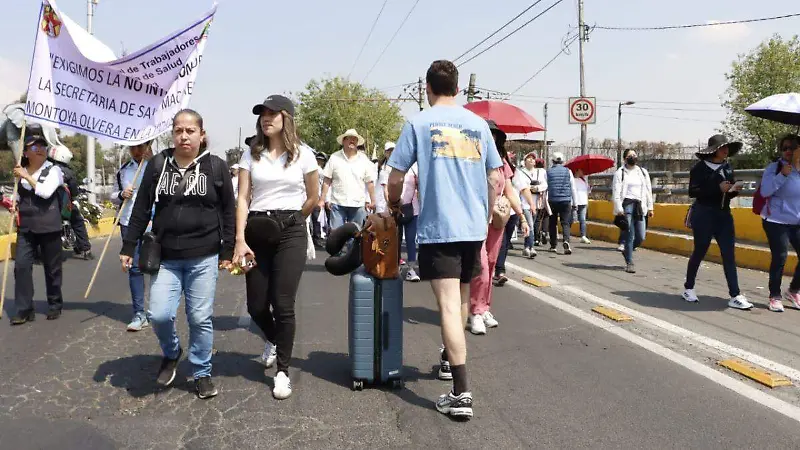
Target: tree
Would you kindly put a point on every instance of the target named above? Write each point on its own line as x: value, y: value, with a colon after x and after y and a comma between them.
x: 328, y: 107
x: 771, y: 68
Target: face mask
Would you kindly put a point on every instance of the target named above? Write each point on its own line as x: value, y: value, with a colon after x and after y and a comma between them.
x: 631, y: 160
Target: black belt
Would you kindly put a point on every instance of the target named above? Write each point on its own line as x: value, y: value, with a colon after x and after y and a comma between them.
x: 280, y: 213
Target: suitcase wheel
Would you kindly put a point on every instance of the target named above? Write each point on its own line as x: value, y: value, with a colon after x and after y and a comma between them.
x: 358, y: 385
x: 398, y: 384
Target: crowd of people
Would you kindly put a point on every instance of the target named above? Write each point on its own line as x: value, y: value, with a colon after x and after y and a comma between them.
x: 184, y: 216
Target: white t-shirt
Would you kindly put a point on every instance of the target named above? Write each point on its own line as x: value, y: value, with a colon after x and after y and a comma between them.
x: 276, y: 187
x: 634, y: 182
x: 380, y: 187
x: 520, y: 182
x: 410, y: 192
x: 349, y: 177
x: 581, y: 192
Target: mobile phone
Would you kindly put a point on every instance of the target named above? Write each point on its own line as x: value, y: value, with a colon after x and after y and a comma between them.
x: 738, y: 184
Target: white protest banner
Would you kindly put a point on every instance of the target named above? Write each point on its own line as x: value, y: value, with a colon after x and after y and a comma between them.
x: 76, y: 81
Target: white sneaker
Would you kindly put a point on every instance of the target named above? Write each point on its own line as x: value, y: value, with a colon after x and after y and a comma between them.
x: 533, y: 253
x: 690, y: 296
x: 526, y: 253
x: 585, y: 240
x: 457, y: 406
x: 477, y: 325
x: 412, y: 276
x: 489, y: 320
x: 270, y: 354
x: 740, y: 302
x: 621, y: 248
x: 775, y: 304
x: 283, y: 387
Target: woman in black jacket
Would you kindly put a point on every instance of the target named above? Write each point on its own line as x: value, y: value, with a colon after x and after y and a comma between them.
x: 712, y: 184
x: 38, y: 228
x: 195, y: 224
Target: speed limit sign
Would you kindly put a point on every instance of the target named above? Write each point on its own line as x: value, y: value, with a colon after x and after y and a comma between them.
x: 582, y: 110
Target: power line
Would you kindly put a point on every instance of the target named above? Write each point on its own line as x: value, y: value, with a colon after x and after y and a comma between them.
x: 686, y: 119
x: 563, y: 50
x: 519, y: 97
x: 498, y: 30
x: 696, y: 25
x: 391, y: 40
x: 510, y: 34
x: 364, y: 45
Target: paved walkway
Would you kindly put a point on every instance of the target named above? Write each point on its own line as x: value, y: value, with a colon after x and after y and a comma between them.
x: 545, y: 378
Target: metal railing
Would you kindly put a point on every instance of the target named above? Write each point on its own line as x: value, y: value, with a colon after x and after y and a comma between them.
x: 668, y: 181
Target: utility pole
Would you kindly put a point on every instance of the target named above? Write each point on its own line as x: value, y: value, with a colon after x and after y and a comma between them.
x: 581, y: 40
x: 619, y: 131
x: 471, y: 88
x: 545, y: 147
x: 90, y: 141
x: 420, y: 93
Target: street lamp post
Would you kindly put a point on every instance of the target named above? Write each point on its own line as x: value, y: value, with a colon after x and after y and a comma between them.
x: 619, y: 130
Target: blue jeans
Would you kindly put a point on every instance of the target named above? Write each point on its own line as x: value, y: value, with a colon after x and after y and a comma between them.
x: 780, y: 236
x: 709, y: 222
x: 341, y: 215
x: 511, y: 225
x: 582, y: 218
x: 135, y: 279
x: 530, y: 217
x: 409, y: 232
x: 636, y: 233
x: 196, y: 279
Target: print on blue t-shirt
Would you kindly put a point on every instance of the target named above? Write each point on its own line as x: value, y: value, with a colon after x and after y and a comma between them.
x: 454, y: 151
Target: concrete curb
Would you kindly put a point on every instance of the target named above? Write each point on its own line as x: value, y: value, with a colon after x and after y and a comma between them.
x: 103, y: 228
x: 747, y: 256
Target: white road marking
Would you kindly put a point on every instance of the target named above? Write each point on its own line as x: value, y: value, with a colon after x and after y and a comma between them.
x: 739, y: 387
x: 768, y: 364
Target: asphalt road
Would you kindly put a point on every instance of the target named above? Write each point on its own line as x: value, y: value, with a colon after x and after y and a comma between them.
x: 543, y: 379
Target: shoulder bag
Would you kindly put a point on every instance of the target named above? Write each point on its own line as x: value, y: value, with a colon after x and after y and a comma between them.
x: 150, y: 253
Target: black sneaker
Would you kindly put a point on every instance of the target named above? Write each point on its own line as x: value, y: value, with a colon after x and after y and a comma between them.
x: 567, y: 249
x: 23, y: 317
x: 205, y: 388
x: 169, y: 367
x: 500, y: 279
x: 53, y: 314
x: 86, y: 255
x: 459, y: 406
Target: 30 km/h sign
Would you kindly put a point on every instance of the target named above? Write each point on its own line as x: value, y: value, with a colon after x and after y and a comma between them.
x: 582, y: 110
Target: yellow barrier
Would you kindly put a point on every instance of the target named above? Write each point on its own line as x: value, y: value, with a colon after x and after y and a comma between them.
x: 103, y: 228
x: 667, y: 233
x: 668, y: 216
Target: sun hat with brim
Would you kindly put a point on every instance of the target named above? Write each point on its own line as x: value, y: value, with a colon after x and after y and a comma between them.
x: 274, y: 103
x: 350, y: 133
x: 716, y: 142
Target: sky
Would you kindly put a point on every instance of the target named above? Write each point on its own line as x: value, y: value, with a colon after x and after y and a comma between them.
x: 258, y: 48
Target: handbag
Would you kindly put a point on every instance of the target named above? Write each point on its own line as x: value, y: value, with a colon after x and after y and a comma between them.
x: 150, y: 252
x: 406, y: 214
x: 501, y: 213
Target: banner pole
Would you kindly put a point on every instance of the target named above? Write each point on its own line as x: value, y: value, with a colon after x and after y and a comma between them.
x: 13, y: 216
x: 113, y: 230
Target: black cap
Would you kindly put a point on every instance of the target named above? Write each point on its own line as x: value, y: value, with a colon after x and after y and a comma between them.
x: 34, y: 134
x: 321, y: 156
x: 248, y: 140
x: 275, y: 103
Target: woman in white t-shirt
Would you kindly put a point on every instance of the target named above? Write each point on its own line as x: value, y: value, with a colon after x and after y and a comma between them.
x: 632, y: 195
x: 271, y: 228
x: 582, y: 190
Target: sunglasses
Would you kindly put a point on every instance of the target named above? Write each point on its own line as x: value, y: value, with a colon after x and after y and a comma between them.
x: 36, y: 146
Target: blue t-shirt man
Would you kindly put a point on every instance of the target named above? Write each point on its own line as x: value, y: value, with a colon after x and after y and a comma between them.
x: 454, y: 150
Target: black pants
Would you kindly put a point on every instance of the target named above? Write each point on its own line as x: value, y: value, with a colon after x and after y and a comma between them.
x: 563, y: 211
x: 78, y: 225
x: 49, y: 246
x: 315, y: 225
x: 709, y: 222
x: 511, y: 225
x: 272, y: 288
x: 780, y: 236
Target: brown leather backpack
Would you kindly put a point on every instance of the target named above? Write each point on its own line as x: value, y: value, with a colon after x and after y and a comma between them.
x: 380, y: 246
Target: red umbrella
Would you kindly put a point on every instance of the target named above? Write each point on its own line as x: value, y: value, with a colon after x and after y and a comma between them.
x: 508, y: 118
x: 590, y: 164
